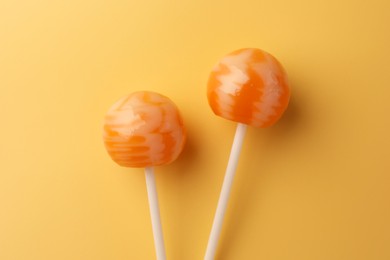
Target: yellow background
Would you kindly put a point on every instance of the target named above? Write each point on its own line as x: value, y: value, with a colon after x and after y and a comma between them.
x: 314, y: 186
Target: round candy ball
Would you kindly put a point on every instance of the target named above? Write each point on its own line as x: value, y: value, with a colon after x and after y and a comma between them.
x: 249, y: 86
x: 144, y: 129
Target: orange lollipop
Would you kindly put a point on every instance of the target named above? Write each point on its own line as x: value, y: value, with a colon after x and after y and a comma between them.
x: 248, y: 86
x: 145, y: 129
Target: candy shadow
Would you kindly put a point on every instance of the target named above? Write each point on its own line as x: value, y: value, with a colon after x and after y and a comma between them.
x: 177, y: 175
x: 290, y: 119
x: 249, y: 189
x: 187, y: 160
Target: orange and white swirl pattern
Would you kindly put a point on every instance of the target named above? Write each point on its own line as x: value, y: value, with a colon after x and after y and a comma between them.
x: 144, y: 129
x: 249, y: 86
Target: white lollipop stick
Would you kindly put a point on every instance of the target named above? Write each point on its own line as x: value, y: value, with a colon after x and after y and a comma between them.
x: 155, y: 213
x: 225, y: 192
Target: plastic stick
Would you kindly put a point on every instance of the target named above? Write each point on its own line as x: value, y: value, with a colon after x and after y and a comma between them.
x: 155, y: 213
x: 225, y: 192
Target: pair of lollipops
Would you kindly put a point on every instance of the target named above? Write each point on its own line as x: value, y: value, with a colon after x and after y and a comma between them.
x: 145, y: 129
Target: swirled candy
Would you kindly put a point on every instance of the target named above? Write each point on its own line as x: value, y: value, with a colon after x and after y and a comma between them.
x: 249, y: 86
x: 144, y: 129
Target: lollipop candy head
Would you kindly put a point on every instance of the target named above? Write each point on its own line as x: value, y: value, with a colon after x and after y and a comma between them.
x: 143, y: 129
x: 249, y: 86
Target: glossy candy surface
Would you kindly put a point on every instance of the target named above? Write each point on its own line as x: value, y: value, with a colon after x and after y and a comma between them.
x: 249, y: 86
x: 144, y: 129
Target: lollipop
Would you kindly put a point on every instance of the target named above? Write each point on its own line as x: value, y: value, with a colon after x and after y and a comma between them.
x: 145, y: 129
x: 248, y: 86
